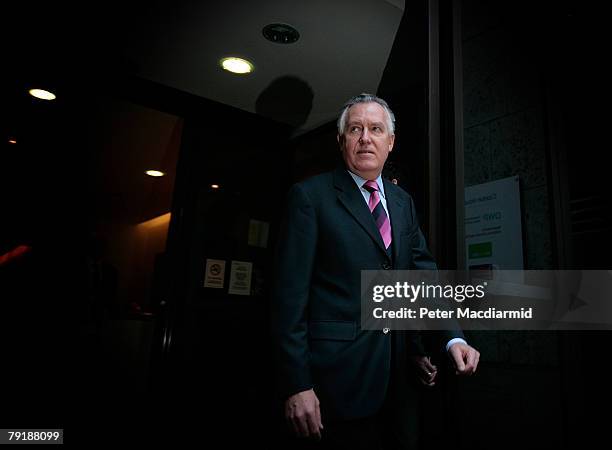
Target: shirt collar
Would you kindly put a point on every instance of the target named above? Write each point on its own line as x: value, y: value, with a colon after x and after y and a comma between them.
x: 360, y: 181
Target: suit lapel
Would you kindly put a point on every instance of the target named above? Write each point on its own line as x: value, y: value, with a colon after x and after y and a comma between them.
x: 350, y: 196
x: 395, y: 205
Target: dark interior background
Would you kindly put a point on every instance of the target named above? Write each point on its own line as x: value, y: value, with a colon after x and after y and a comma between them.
x: 197, y: 364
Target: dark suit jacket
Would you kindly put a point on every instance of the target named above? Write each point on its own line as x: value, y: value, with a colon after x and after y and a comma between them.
x: 327, y: 237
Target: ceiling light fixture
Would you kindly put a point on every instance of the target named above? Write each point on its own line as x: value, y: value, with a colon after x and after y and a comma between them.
x: 236, y: 65
x: 42, y: 94
x: 12, y: 141
x: 281, y: 33
x: 214, y: 186
x: 155, y: 173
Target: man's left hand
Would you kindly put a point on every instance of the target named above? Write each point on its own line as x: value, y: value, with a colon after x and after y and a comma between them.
x: 426, y: 371
x: 464, y: 357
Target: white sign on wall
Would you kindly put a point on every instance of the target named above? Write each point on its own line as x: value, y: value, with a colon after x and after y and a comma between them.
x: 258, y: 233
x: 215, y: 273
x: 240, y: 278
x: 493, y: 234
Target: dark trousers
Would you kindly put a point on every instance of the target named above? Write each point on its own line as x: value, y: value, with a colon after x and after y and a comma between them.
x: 394, y: 427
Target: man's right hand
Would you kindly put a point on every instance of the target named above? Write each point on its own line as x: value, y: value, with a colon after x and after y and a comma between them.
x: 303, y: 413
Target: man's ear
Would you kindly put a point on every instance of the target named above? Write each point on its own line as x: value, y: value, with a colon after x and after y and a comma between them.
x: 340, y: 138
x: 391, y: 141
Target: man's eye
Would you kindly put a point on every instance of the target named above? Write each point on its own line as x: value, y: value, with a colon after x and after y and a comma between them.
x: 377, y: 129
x: 354, y: 129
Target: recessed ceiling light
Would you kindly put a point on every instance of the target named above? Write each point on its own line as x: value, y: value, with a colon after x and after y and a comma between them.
x: 42, y: 94
x: 12, y: 141
x: 214, y: 186
x: 236, y: 65
x: 281, y: 33
x: 155, y: 173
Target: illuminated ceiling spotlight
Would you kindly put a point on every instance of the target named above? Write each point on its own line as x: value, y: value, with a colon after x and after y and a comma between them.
x: 155, y: 173
x: 42, y: 94
x: 237, y: 65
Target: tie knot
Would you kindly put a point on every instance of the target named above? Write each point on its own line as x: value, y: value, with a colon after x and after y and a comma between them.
x: 370, y: 186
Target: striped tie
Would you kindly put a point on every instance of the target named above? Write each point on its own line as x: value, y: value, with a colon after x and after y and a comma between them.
x: 378, y: 211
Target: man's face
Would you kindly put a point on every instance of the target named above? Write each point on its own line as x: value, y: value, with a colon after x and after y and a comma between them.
x: 366, y: 141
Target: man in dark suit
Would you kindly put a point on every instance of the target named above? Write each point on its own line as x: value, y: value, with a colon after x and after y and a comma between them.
x: 343, y: 385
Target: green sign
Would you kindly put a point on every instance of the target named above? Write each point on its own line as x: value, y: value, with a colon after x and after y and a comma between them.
x: 480, y: 250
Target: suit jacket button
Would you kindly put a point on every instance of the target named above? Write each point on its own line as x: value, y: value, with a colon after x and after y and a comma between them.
x: 386, y: 265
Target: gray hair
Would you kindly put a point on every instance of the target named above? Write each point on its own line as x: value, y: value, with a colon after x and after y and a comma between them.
x: 366, y: 98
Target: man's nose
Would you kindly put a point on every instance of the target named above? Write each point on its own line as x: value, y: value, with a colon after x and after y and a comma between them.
x: 365, y: 136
